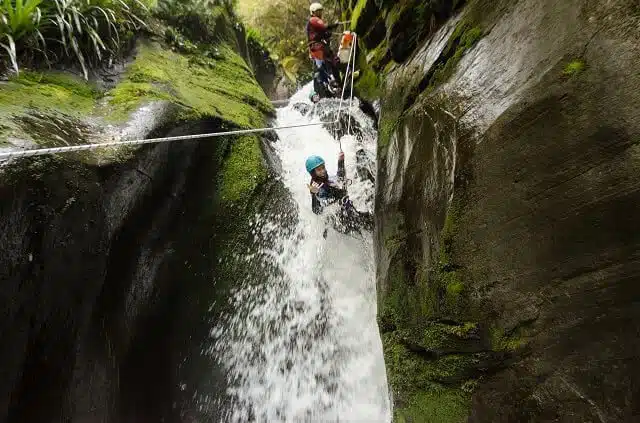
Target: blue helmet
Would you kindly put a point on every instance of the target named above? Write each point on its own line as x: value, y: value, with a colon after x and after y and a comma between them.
x: 313, y: 162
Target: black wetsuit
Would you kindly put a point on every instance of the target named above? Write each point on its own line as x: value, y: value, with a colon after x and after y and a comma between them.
x: 348, y: 218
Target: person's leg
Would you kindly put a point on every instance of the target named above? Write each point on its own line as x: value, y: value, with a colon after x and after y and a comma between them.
x: 354, y: 219
x: 321, y: 67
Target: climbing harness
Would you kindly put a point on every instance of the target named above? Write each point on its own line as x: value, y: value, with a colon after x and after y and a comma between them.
x: 82, y: 147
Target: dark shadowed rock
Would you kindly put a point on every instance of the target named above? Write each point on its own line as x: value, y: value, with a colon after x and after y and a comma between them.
x: 112, y: 264
x: 506, y: 208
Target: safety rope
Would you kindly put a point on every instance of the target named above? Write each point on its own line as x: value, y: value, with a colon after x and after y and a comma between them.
x: 82, y: 147
x: 344, y: 83
x: 70, y: 148
x: 350, y: 65
x: 353, y: 72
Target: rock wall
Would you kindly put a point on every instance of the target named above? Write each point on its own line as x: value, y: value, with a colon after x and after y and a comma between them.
x: 506, y: 207
x: 109, y: 257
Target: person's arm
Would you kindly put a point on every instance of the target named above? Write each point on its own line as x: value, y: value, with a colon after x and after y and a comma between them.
x: 318, y: 24
x: 335, y: 193
x: 342, y: 172
x: 316, y: 207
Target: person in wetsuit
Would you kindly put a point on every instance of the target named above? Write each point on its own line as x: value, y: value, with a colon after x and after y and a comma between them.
x: 325, y: 190
x: 318, y: 37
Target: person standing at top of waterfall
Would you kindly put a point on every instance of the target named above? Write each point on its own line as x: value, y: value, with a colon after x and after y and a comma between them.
x: 319, y: 36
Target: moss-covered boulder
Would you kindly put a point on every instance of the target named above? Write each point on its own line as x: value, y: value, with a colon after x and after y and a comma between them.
x: 191, y: 87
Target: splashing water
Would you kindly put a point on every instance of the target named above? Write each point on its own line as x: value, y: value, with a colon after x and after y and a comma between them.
x: 302, y: 345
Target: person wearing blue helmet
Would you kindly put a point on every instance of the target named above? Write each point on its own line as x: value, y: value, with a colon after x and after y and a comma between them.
x: 325, y: 190
x: 314, y: 97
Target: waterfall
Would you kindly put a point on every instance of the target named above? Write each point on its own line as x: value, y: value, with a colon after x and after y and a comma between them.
x: 300, y: 341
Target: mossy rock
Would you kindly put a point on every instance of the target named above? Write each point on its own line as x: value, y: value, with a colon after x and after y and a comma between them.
x: 438, y: 405
x: 367, y: 22
x: 408, y: 22
x: 428, y: 390
x: 222, y: 88
x: 56, y: 108
x: 243, y: 171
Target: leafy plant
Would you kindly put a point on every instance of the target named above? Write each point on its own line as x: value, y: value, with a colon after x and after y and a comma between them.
x: 16, y: 21
x: 85, y: 31
x: 80, y: 26
x: 201, y: 21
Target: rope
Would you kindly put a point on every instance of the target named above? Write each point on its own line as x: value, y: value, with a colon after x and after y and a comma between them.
x: 69, y: 148
x: 355, y: 46
x: 344, y: 87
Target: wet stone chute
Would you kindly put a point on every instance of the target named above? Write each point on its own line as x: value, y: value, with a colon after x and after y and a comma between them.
x: 300, y: 341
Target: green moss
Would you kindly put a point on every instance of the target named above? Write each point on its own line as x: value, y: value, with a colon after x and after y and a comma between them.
x: 55, y: 91
x: 410, y: 372
x: 357, y: 10
x: 126, y: 97
x: 439, y: 336
x: 72, y: 84
x: 395, y: 13
x: 55, y: 94
x: 440, y: 405
x: 574, y: 67
x: 500, y: 341
x: 376, y: 58
x: 243, y: 170
x: 455, y: 287
x: 418, y: 383
x: 395, y: 98
x: 368, y: 84
x: 447, y: 235
x: 463, y: 38
x: 223, y: 88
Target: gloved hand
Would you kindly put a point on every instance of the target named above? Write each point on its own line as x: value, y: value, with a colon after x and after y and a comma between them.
x: 314, y: 187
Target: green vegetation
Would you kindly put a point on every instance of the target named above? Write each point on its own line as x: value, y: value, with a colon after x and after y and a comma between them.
x: 87, y: 32
x: 357, y: 11
x: 243, y: 170
x: 45, y: 91
x: 199, y: 21
x: 438, y: 405
x: 223, y: 88
x: 280, y: 25
x: 574, y: 67
x: 463, y: 38
x: 205, y: 78
x: 428, y: 390
x: 220, y: 89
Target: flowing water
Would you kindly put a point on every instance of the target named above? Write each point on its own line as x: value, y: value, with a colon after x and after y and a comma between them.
x: 301, y: 344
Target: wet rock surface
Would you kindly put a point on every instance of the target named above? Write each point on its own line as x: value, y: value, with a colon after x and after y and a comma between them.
x: 111, y: 266
x: 506, y: 230
x: 107, y: 283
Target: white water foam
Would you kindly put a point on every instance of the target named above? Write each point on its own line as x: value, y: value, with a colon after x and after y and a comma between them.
x: 303, y: 345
